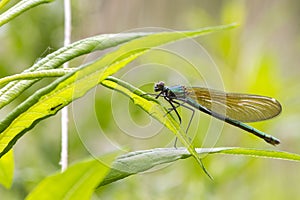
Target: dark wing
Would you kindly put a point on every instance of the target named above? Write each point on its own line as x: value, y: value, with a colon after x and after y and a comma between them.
x: 241, y: 107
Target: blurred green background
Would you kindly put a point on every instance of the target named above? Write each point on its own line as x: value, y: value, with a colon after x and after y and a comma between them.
x: 261, y: 56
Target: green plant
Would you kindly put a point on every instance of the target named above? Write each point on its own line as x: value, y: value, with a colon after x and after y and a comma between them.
x: 75, y: 83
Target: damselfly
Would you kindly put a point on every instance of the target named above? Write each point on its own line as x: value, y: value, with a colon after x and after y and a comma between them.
x: 233, y: 108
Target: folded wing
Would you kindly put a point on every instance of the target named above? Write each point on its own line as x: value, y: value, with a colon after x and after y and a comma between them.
x: 241, y: 107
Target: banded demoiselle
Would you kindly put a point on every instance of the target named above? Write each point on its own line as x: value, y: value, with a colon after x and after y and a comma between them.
x: 233, y: 108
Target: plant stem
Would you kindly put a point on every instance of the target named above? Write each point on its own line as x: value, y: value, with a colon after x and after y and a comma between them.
x: 64, y: 112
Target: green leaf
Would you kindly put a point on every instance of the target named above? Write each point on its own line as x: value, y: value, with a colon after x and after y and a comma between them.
x: 49, y: 100
x: 152, y: 107
x: 7, y: 169
x: 77, y: 182
x: 19, y: 8
x: 3, y: 3
x: 140, y: 161
x: 37, y: 74
x: 62, y: 55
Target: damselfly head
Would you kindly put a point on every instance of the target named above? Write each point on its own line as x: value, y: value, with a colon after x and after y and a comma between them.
x: 159, y: 86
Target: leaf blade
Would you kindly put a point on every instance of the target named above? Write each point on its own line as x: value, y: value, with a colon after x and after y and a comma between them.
x: 141, y: 161
x: 49, y: 100
x: 7, y: 169
x: 153, y: 108
x: 77, y: 182
x: 19, y: 8
x: 62, y: 55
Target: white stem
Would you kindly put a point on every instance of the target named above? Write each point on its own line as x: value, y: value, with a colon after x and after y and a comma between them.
x: 64, y: 112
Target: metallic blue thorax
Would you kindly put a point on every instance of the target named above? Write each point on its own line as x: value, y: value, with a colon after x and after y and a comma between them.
x: 178, y: 91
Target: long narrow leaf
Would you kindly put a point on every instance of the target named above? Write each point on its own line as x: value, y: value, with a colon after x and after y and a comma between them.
x: 77, y: 182
x: 7, y: 169
x: 62, y: 55
x: 49, y: 100
x: 140, y: 161
x: 19, y: 8
x: 36, y: 74
x: 152, y: 107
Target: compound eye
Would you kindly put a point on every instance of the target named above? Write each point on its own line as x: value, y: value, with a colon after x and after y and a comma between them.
x: 159, y: 86
x: 161, y: 83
